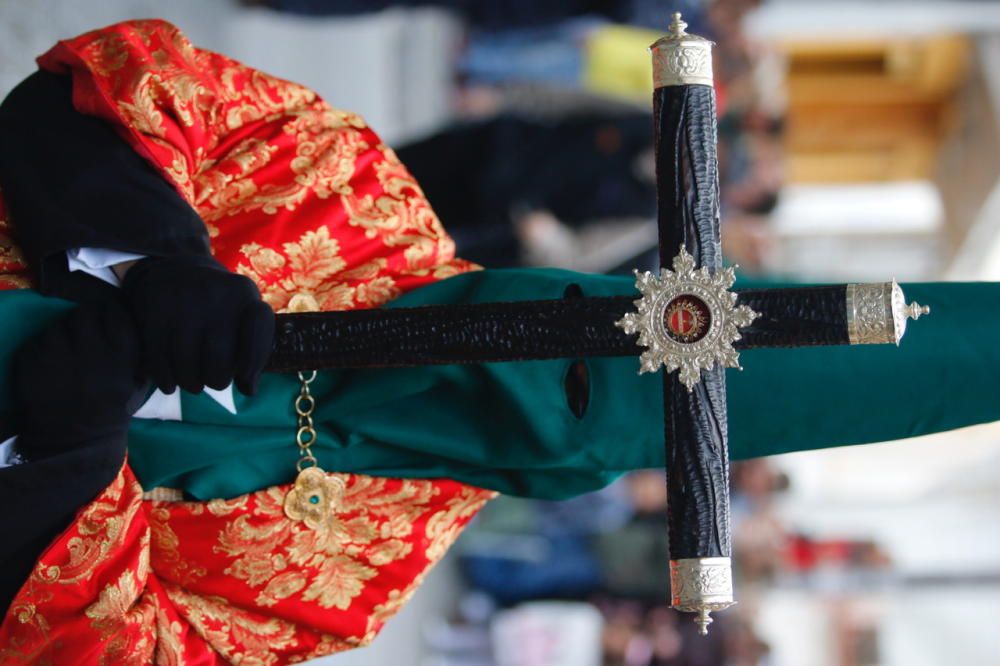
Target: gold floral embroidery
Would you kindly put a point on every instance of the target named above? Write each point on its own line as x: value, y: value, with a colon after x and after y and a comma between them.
x: 194, y: 96
x: 401, y: 216
x: 13, y: 266
x: 180, y: 82
x: 311, y: 152
x: 282, y: 586
x: 166, y: 544
x: 338, y: 581
x: 314, y: 258
x: 113, y: 604
x: 335, y: 568
x: 14, y: 282
x: 240, y: 636
x: 102, y: 529
x: 364, y: 532
x: 169, y: 645
x: 366, y: 271
x: 221, y: 189
x: 443, y: 527
x: 10, y: 253
x: 327, y: 645
x: 256, y: 95
x: 305, y: 277
x: 177, y: 81
x: 326, y: 150
x: 179, y: 173
x: 226, y: 507
x: 452, y: 268
x: 127, y: 650
x: 122, y: 611
x: 325, y: 157
x: 377, y: 291
x: 308, y: 275
x: 443, y: 530
x: 143, y: 113
x: 107, y: 54
x: 259, y: 558
x: 395, y: 600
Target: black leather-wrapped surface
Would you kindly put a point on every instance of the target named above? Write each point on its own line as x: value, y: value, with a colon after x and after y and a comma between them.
x: 529, y: 330
x: 696, y: 424
x: 796, y: 317
x: 463, y: 333
x: 687, y: 174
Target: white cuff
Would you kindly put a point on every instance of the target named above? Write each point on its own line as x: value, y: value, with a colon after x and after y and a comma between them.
x: 98, y: 262
x: 7, y: 453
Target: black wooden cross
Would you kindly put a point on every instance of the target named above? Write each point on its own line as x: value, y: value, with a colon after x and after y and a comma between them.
x: 687, y: 320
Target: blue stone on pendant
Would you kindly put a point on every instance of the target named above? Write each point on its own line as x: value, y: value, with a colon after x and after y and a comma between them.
x: 314, y: 499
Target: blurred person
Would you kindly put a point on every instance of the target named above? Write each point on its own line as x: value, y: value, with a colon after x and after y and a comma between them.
x: 507, y: 14
x: 758, y: 546
x: 759, y: 538
x: 743, y: 646
x: 754, y: 170
x: 734, y: 50
x: 804, y: 553
x: 868, y: 554
x: 749, y: 241
x: 485, y: 15
x: 520, y: 550
x: 647, y: 492
x: 511, y: 185
x: 623, y: 640
x: 214, y: 193
x: 609, y: 540
x: 666, y: 641
x: 751, y: 164
x: 757, y: 481
x: 653, y: 634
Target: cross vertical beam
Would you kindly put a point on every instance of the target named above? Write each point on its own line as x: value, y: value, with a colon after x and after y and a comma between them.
x: 696, y: 437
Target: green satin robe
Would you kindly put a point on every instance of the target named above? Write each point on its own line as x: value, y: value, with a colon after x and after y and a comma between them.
x: 507, y: 426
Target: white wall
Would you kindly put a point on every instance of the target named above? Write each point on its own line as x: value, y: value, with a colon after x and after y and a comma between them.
x: 392, y: 67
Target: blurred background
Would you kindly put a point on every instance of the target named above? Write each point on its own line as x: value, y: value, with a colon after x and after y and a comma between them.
x: 858, y: 140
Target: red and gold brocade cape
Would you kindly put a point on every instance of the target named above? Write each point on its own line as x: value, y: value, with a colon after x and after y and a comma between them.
x: 309, y: 203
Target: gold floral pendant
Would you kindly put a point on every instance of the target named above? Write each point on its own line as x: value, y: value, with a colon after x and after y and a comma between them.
x: 313, y: 497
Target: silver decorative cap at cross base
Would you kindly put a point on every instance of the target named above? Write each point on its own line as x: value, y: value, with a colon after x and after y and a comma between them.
x: 681, y: 59
x: 687, y: 319
x: 877, y: 313
x: 701, y: 585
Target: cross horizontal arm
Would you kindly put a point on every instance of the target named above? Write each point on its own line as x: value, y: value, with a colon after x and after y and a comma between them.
x: 532, y: 330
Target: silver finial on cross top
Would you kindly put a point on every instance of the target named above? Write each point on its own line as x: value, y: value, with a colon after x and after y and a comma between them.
x: 680, y: 58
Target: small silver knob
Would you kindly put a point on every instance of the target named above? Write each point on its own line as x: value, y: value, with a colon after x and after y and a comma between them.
x: 677, y: 26
x: 915, y: 310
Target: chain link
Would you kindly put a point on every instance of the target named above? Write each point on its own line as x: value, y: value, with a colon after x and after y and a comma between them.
x: 305, y: 436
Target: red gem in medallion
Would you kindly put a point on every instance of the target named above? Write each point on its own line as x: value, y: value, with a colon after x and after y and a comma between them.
x: 687, y: 318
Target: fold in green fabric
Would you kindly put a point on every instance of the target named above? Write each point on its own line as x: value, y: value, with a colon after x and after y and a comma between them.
x: 507, y: 426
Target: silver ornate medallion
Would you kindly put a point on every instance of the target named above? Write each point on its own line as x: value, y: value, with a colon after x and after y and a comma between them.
x: 687, y: 319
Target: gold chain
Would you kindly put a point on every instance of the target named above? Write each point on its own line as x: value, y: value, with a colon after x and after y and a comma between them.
x: 305, y: 436
x: 314, y: 494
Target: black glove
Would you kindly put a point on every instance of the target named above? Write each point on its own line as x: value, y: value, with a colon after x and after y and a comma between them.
x: 76, y: 383
x: 200, y: 325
